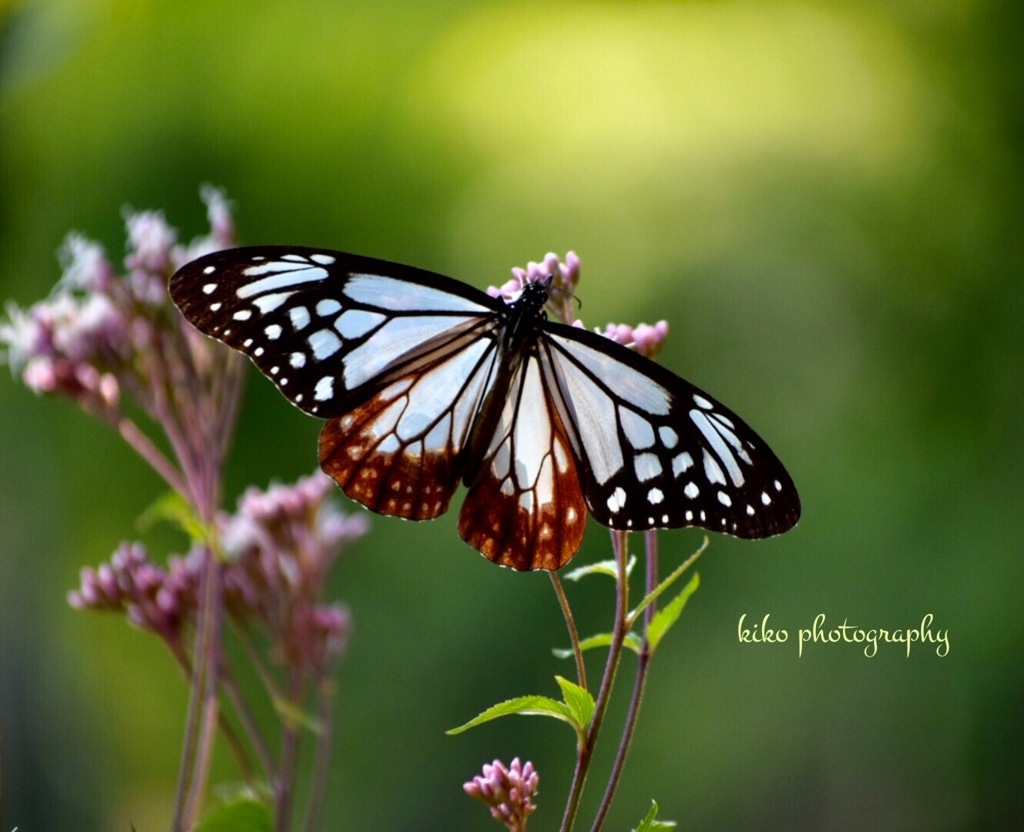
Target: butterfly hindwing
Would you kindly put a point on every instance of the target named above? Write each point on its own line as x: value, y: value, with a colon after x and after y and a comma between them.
x: 524, y: 507
x: 401, y: 452
x: 655, y: 451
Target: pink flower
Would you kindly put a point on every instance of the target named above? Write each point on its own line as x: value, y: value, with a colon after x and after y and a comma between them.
x: 508, y: 791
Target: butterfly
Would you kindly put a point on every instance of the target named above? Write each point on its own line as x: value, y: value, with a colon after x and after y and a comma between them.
x: 426, y: 381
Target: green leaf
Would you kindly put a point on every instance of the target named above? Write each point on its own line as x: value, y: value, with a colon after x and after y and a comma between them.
x: 632, y: 641
x: 246, y: 815
x: 665, y: 584
x: 578, y: 700
x: 669, y: 614
x: 600, y: 640
x: 172, y: 508
x: 652, y: 824
x: 296, y: 716
x: 527, y: 705
x: 602, y: 567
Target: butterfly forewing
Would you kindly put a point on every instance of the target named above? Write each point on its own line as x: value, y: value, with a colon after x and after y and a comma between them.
x: 329, y: 329
x: 656, y: 451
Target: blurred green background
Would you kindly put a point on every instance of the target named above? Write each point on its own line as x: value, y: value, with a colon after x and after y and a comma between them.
x: 825, y: 201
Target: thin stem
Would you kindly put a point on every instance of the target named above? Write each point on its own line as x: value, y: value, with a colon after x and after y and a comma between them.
x: 145, y: 448
x: 585, y: 752
x: 321, y: 763
x: 285, y: 780
x: 202, y: 703
x: 245, y: 716
x: 570, y: 623
x: 639, y: 683
x: 230, y: 734
x: 253, y: 655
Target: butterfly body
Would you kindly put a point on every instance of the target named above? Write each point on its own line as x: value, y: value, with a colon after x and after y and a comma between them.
x: 426, y: 382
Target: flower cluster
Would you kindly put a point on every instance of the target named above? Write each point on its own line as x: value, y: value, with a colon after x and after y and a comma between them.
x: 508, y: 791
x: 102, y: 336
x: 115, y: 345
x: 280, y: 544
x: 565, y: 276
x: 645, y: 339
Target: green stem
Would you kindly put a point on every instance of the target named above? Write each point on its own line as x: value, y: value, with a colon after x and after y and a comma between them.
x: 585, y: 752
x: 202, y: 703
x: 321, y: 764
x: 639, y: 684
x: 570, y: 623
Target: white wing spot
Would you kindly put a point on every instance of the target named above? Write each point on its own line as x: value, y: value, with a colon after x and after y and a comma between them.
x: 669, y: 438
x: 355, y: 323
x: 324, y: 343
x: 297, y: 359
x: 299, y: 316
x: 258, y: 351
x: 247, y: 343
x: 765, y: 499
x: 273, y: 331
x: 719, y: 439
x: 327, y: 306
x: 209, y: 288
x: 616, y: 501
x: 712, y: 470
x: 215, y: 307
x: 637, y: 429
x: 322, y: 259
x: 664, y: 518
x: 655, y: 496
x: 689, y: 517
x: 750, y: 510
x: 724, y: 499
x: 275, y: 370
x: 682, y: 463
x: 691, y: 490
x: 242, y: 315
x: 324, y: 389
x: 268, y: 303
x: 561, y: 457
x: 701, y: 402
x: 281, y: 276
x: 647, y: 466
x: 778, y: 485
